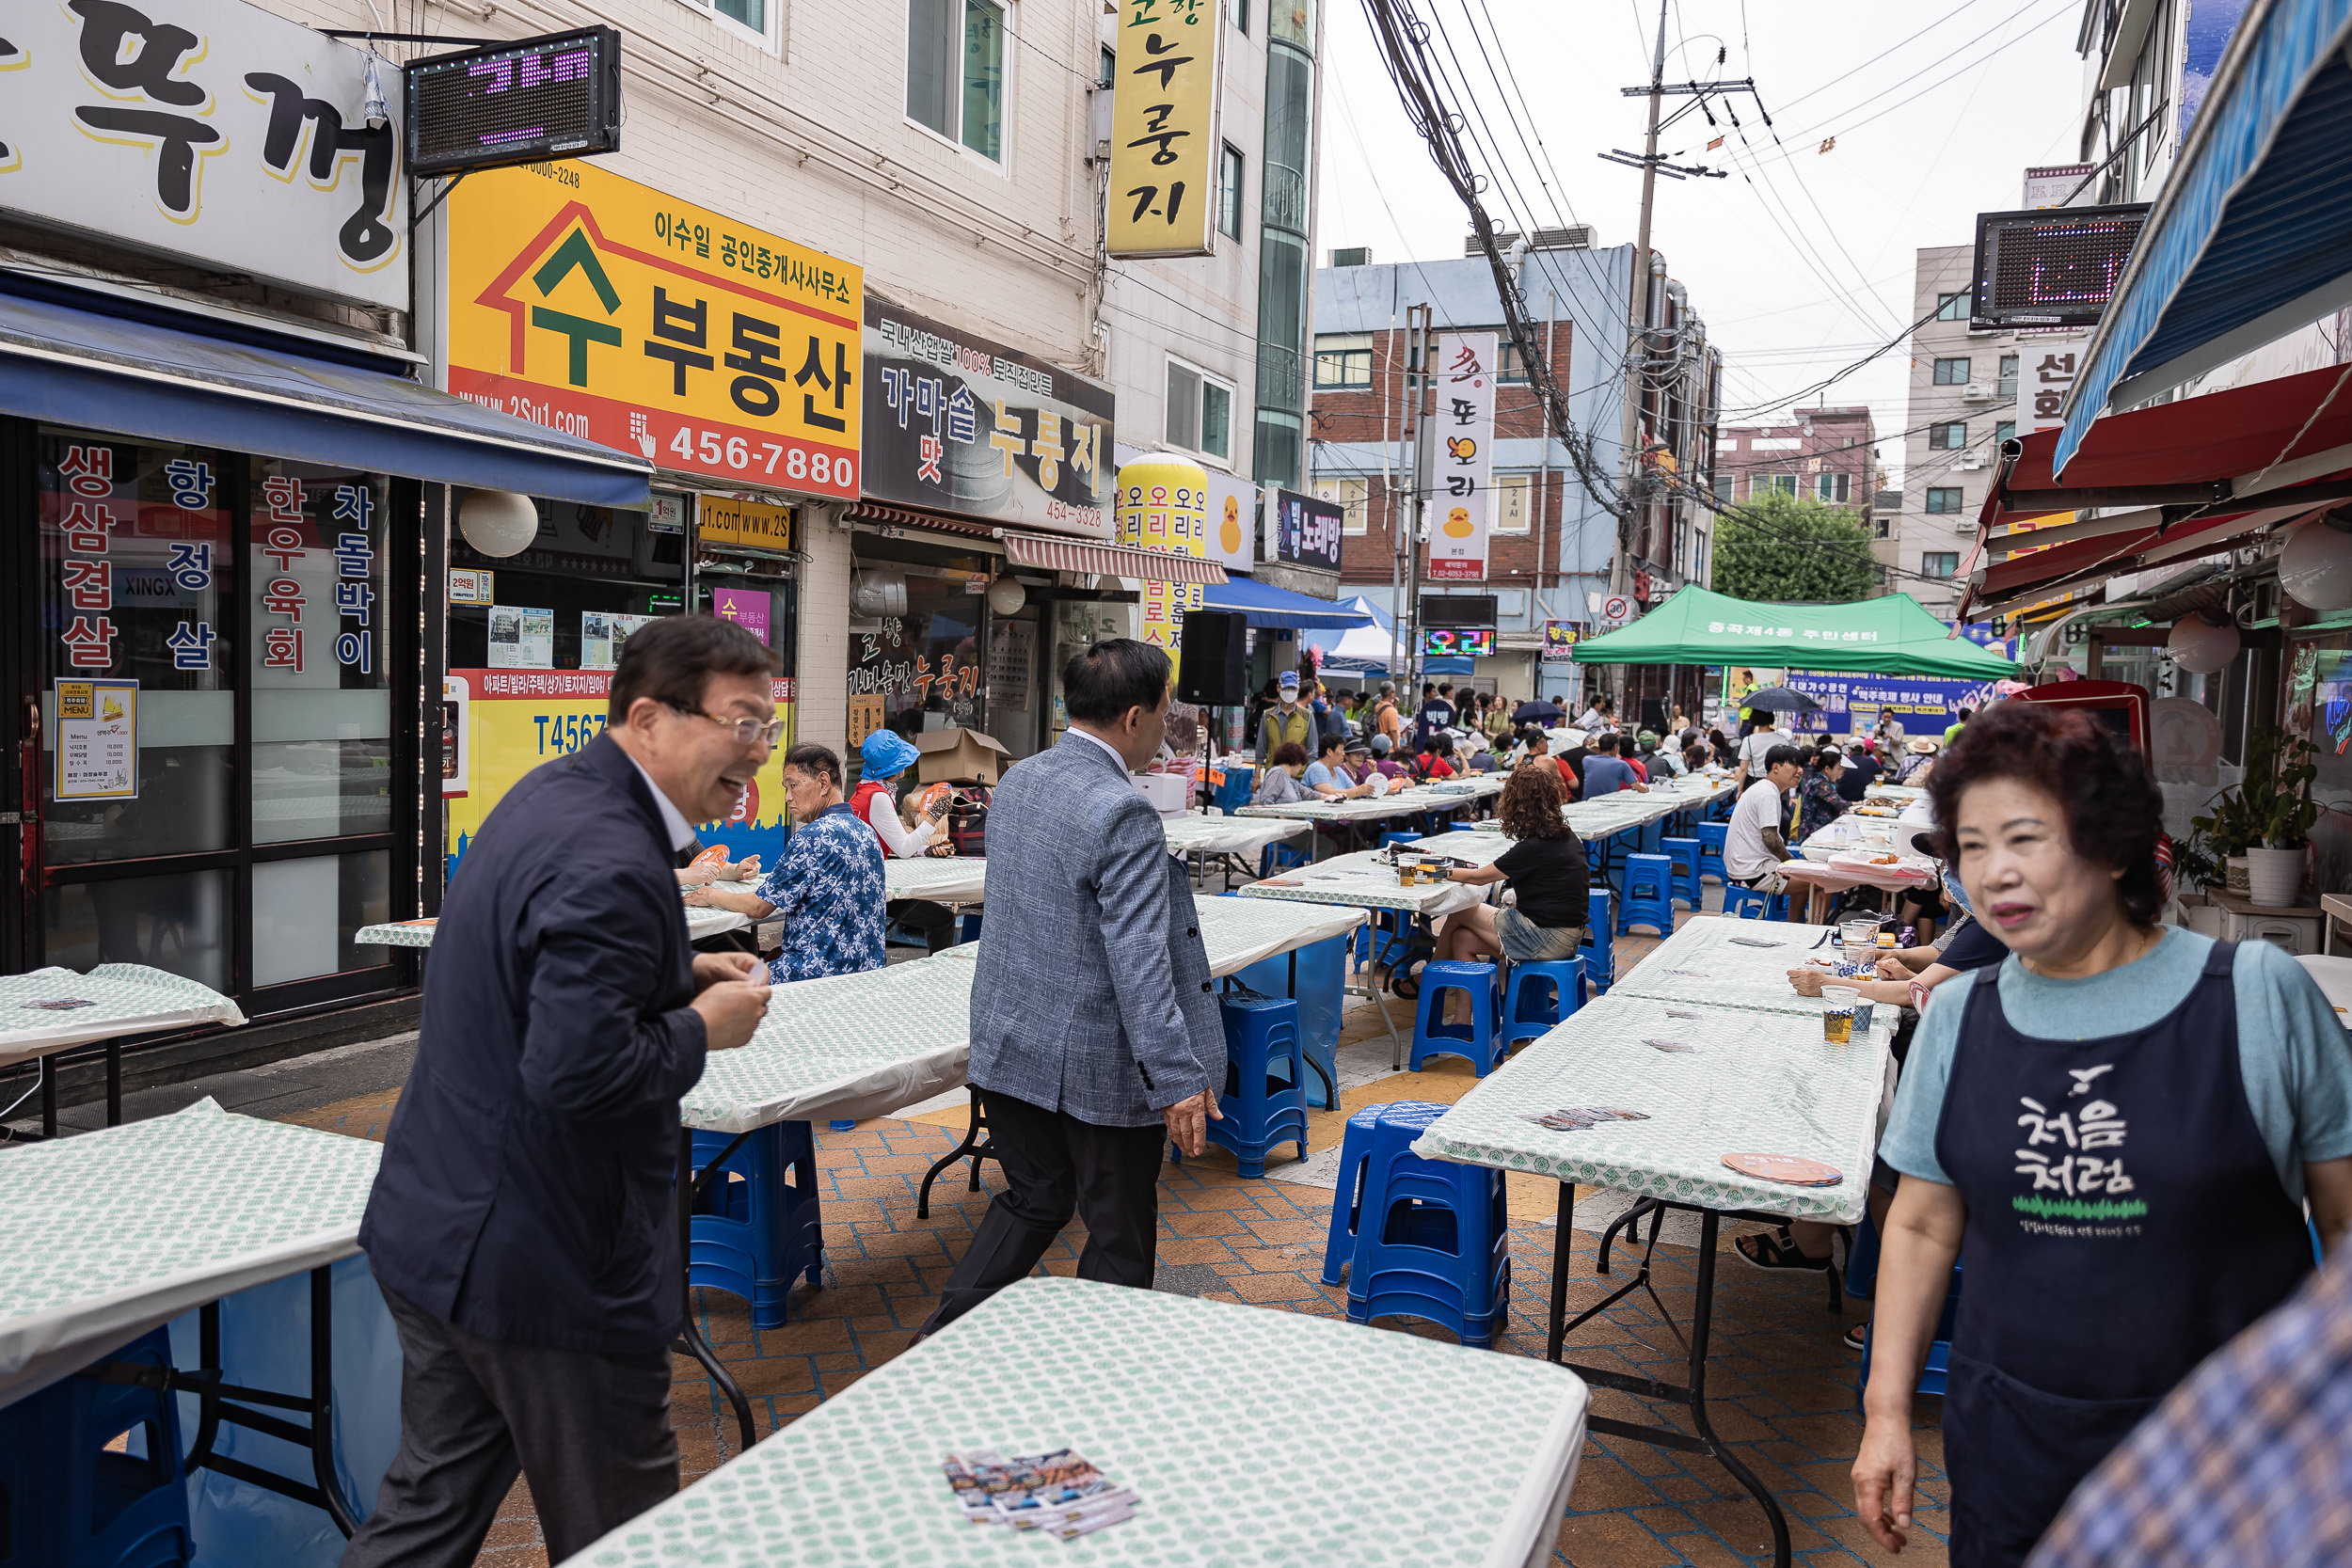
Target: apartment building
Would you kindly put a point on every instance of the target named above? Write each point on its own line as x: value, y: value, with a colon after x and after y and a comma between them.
x: 1824, y: 454
x: 1961, y: 407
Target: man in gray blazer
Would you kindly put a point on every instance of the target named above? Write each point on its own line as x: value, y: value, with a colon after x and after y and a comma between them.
x: 1095, y: 1029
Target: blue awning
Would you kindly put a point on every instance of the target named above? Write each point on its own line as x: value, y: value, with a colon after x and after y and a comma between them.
x: 2252, y: 236
x: 1268, y: 607
x: 136, y: 378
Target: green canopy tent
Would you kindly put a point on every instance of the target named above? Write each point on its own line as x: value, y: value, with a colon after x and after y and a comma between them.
x: 1889, y: 636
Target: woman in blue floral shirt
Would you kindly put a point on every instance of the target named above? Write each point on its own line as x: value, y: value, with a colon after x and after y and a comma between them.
x: 827, y: 884
x: 1817, y: 795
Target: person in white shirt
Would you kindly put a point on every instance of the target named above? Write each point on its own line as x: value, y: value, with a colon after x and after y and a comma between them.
x: 1590, y: 719
x: 1757, y: 840
x: 884, y: 755
x: 1752, y: 750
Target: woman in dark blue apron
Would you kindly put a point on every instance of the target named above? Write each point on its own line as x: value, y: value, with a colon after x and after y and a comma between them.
x: 2076, y: 1122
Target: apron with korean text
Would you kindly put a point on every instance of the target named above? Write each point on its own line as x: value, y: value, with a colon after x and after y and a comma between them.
x: 2124, y: 1221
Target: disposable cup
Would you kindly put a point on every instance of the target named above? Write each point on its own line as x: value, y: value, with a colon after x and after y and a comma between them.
x: 1837, y: 1007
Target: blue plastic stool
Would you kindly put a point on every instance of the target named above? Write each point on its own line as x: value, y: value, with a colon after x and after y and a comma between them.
x: 1647, y: 836
x: 1240, y: 780
x: 1386, y: 839
x: 1933, y: 1376
x: 1746, y: 903
x: 1528, y: 1009
x: 1599, y: 949
x: 72, y: 1504
x: 1711, y: 836
x: 1432, y: 1037
x: 1282, y: 857
x: 755, y: 1232
x: 1260, y: 1109
x: 1432, y: 1236
x: 1338, y: 1247
x: 1684, y: 854
x: 1648, y: 896
x: 968, y: 927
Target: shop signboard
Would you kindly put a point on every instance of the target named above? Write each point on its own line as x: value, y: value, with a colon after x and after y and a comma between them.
x: 1164, y: 128
x: 743, y: 525
x: 1851, y: 704
x: 514, y: 720
x: 1233, y: 541
x: 208, y: 130
x: 743, y: 606
x: 601, y: 308
x: 1164, y: 505
x: 956, y: 424
x: 1306, y: 531
x: 1463, y: 458
x: 1559, y: 642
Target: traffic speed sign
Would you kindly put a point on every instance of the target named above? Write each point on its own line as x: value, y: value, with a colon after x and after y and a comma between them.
x: 1617, y: 608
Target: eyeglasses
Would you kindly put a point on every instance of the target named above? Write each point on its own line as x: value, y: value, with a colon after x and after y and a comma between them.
x: 766, y: 732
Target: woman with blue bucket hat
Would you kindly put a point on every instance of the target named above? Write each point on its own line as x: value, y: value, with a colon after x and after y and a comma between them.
x: 884, y: 755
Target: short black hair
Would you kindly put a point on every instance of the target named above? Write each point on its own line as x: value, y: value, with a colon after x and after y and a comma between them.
x: 1784, y: 757
x: 1105, y: 679
x: 809, y: 757
x: 1608, y: 742
x: 1531, y: 735
x: 672, y: 660
x: 1332, y: 740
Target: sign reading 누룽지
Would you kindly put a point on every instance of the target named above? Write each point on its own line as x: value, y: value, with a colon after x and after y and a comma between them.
x: 956, y: 424
x: 1463, y: 461
x: 1165, y: 141
x: 205, y: 129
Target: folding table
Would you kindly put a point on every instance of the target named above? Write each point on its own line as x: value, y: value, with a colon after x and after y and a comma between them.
x: 49, y: 1010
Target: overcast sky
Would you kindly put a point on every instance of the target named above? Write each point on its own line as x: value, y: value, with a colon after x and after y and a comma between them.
x: 1801, y: 262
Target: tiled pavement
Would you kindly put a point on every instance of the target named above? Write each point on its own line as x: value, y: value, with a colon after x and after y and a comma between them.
x: 1781, y: 1384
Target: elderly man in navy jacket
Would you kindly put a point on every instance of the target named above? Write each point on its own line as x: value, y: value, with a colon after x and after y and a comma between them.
x: 523, y: 1225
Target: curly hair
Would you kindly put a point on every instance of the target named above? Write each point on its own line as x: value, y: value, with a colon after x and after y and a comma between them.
x: 1529, y: 807
x: 2114, y: 812
x: 1289, y: 755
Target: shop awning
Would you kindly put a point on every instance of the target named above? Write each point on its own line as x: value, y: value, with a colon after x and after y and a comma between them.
x: 134, y: 378
x: 2252, y: 235
x: 1271, y: 608
x: 1049, y: 554
x: 2190, y: 477
x: 1887, y: 636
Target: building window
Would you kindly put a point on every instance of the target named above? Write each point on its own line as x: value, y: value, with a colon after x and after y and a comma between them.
x: 1943, y: 498
x: 1355, y: 498
x: 749, y: 14
x: 1832, y: 487
x: 1199, y: 412
x: 1725, y: 486
x: 1108, y: 69
x: 2009, y: 375
x: 1513, y: 368
x: 1949, y: 436
x: 1344, y: 359
x: 1952, y: 308
x: 1241, y: 17
x: 1511, y: 508
x: 1880, y: 527
x: 1939, y: 564
x: 1785, y: 484
x: 1952, y: 372
x: 2003, y: 430
x: 1229, y: 186
x: 956, y: 72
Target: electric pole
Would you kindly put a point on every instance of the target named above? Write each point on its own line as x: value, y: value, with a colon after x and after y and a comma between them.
x: 1637, y: 329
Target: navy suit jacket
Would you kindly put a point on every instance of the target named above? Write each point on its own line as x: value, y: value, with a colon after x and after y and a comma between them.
x: 527, y: 1191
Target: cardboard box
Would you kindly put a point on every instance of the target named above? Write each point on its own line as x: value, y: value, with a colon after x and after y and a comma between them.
x: 959, y: 756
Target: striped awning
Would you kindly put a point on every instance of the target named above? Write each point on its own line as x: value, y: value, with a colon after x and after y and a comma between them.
x: 1116, y: 561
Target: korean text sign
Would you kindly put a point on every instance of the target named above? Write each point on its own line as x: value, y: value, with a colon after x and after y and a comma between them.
x: 1462, y: 460
x: 1306, y: 531
x: 1164, y: 506
x: 209, y: 129
x: 1164, y: 128
x: 598, y: 307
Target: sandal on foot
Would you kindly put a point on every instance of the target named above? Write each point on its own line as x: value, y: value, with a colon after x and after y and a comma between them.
x: 1854, y: 1337
x: 1777, y: 1250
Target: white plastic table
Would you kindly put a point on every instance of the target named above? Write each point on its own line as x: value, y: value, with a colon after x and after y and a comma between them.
x: 110, y: 1001
x: 700, y: 922
x: 1415, y: 1452
x: 1753, y: 1083
x: 952, y: 880
x: 1712, y: 961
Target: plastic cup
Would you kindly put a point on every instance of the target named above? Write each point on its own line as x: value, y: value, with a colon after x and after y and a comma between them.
x: 1837, y: 1007
x: 1861, y: 939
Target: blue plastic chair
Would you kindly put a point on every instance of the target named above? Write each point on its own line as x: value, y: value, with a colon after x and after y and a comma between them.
x: 1648, y: 895
x: 1684, y: 855
x: 1539, y: 997
x: 756, y: 1233
x: 1386, y: 839
x: 1711, y: 837
x: 1647, y: 836
x: 1339, y: 1245
x: 1746, y: 903
x: 968, y: 927
x: 1280, y: 856
x: 1432, y: 1236
x: 1934, y: 1376
x: 1433, y: 1036
x: 71, y: 1503
x: 1599, y: 949
x: 1261, y: 1109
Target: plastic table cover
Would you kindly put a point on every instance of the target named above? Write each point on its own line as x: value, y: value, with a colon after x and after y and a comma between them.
x: 1446, y: 1454
x: 1397, y: 802
x: 111, y: 1233
x: 1238, y: 933
x: 1702, y: 963
x: 126, y: 999
x: 943, y: 878
x: 1755, y: 1083
x: 1226, y: 835
x: 700, y: 922
x: 1471, y: 846
x: 1368, y: 882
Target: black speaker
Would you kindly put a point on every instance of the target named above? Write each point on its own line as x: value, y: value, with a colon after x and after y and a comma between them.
x: 1215, y: 670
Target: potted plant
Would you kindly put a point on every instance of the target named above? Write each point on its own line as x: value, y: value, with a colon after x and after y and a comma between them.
x: 2226, y: 832
x: 2276, y: 817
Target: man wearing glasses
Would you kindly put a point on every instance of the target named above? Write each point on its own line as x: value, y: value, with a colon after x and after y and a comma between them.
x: 524, y: 1224
x: 828, y: 884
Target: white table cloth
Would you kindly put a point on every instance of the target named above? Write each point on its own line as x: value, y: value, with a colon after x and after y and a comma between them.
x: 700, y: 922
x: 1708, y: 963
x: 1366, y: 880
x: 942, y: 878
x: 124, y: 999
x: 1228, y: 836
x: 1397, y: 802
x: 1240, y: 932
x: 1310, y: 1441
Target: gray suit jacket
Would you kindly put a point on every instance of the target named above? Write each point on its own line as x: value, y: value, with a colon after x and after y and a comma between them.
x: 1093, y: 994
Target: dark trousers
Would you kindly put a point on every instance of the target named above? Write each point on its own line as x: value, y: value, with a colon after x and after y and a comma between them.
x: 1057, y: 1165
x: 592, y: 1433
x: 937, y: 922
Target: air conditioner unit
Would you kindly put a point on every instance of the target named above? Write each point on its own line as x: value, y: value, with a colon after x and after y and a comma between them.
x: 1976, y: 459
x: 1978, y: 391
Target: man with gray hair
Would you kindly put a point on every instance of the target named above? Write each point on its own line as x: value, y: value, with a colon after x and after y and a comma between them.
x: 1095, y: 1029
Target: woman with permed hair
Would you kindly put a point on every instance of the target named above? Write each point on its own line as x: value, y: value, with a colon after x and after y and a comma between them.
x: 1546, y: 869
x: 2118, y: 1125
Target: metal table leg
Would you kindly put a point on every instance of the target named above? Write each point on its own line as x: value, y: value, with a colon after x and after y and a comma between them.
x: 976, y: 1146
x: 114, y: 1083
x: 696, y: 1345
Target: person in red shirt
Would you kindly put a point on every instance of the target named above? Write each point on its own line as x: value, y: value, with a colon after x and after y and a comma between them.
x: 884, y: 755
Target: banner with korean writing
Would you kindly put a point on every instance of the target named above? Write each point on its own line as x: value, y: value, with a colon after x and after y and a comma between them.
x: 1559, y: 641
x: 1306, y: 531
x: 1164, y: 128
x: 1855, y: 704
x: 515, y: 720
x: 2046, y: 367
x: 1164, y: 505
x: 956, y: 424
x: 207, y: 129
x: 601, y: 308
x: 1463, y: 458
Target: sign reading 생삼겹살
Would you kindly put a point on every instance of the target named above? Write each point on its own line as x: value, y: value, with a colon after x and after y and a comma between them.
x: 601, y: 308
x: 1164, y: 128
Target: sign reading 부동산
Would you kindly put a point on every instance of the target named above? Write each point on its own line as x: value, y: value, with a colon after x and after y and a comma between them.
x: 206, y: 129
x: 601, y: 308
x: 1164, y: 128
x: 956, y: 424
